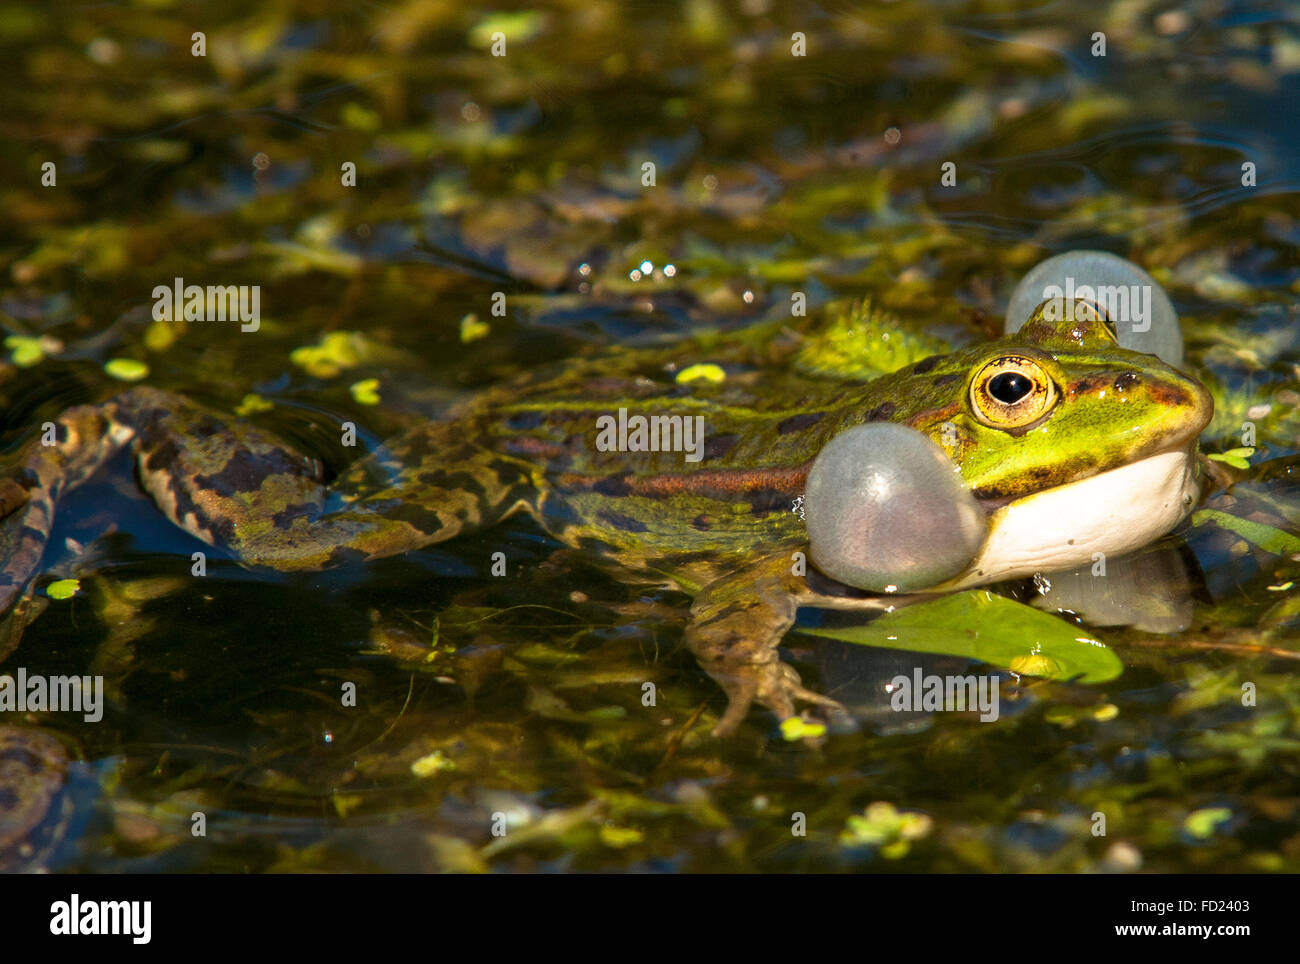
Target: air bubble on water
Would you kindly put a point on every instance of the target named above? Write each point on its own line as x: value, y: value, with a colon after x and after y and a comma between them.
x: 647, y: 267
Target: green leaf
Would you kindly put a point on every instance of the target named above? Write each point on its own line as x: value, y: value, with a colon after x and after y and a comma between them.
x: 435, y: 762
x: 619, y: 837
x: 882, y: 825
x: 1232, y: 460
x: 63, y: 588
x: 796, y: 728
x: 126, y: 369
x: 1237, y: 458
x: 979, y: 625
x: 252, y: 404
x: 1201, y: 824
x: 516, y: 25
x: 360, y: 118
x: 366, y: 392
x: 1266, y: 537
x: 471, y: 329
x: 27, y: 351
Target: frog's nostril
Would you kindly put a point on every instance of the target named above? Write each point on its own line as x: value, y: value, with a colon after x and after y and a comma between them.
x: 1126, y: 380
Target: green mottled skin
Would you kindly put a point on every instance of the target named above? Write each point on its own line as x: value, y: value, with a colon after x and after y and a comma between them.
x: 723, y: 527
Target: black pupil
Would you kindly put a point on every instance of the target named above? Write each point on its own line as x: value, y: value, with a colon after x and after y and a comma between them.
x: 1010, y: 387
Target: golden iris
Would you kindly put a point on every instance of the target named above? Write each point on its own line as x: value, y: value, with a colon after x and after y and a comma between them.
x: 1012, y: 391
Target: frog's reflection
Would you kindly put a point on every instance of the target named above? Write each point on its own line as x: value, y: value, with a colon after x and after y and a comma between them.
x: 1152, y: 590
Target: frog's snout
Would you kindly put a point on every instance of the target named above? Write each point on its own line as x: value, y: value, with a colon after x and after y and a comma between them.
x: 1179, y: 407
x: 1187, y: 399
x: 1203, y: 405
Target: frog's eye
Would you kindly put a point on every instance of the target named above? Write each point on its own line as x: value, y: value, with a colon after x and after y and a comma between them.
x: 1012, y: 391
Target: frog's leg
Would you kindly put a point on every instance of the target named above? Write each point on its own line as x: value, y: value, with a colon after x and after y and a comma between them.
x: 236, y: 486
x: 85, y: 438
x: 737, y: 623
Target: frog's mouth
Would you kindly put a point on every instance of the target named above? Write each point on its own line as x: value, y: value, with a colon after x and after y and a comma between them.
x: 1109, y: 513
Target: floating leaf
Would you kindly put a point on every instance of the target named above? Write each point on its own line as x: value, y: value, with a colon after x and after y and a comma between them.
x: 431, y: 764
x: 1237, y: 457
x: 704, y: 372
x: 1266, y: 537
x: 126, y: 369
x: 1201, y: 824
x: 252, y: 404
x: 980, y: 625
x: 360, y: 118
x: 161, y: 335
x: 345, y: 803
x: 63, y: 588
x: 471, y: 329
x: 27, y: 351
x: 516, y: 25
x: 619, y: 837
x: 883, y: 825
x: 796, y: 728
x: 336, y: 351
x: 366, y: 392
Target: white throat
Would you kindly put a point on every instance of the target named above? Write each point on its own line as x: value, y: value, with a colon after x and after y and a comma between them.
x: 1063, y: 527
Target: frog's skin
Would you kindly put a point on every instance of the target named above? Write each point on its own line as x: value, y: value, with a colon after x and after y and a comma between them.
x: 1113, y: 456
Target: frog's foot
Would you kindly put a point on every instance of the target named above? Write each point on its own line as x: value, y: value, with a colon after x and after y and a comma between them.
x: 736, y: 627
x: 773, y: 684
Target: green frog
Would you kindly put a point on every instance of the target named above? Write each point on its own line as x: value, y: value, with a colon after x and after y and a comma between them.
x: 1055, y: 442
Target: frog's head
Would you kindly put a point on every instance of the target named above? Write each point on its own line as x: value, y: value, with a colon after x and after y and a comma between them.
x: 1069, y: 444
x: 1058, y: 402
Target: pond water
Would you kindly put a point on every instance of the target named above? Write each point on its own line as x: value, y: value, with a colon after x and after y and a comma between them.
x: 664, y: 176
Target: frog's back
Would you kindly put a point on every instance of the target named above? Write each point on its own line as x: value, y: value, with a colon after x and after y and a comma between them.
x: 639, y: 464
